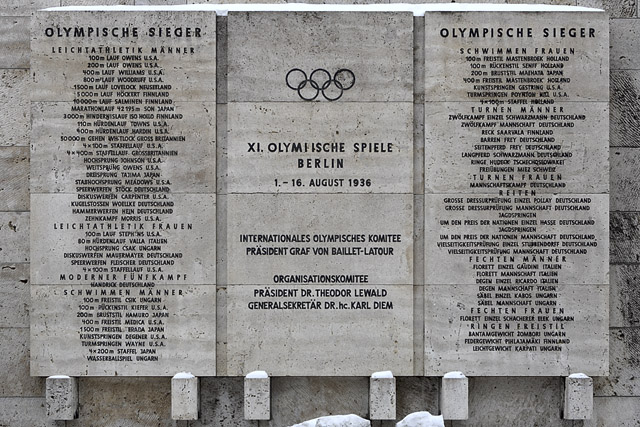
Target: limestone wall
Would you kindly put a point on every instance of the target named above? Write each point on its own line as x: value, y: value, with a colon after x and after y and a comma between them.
x: 507, y: 401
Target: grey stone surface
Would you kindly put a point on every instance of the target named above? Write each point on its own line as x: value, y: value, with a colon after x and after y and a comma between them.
x: 222, y: 402
x: 357, y: 338
x: 443, y: 234
x: 190, y: 170
x: 624, y: 357
x: 25, y: 412
x: 14, y: 379
x: 196, y: 265
x: 183, y: 342
x: 382, y: 398
x: 625, y: 189
x: 625, y: 109
x: 587, y: 67
x: 623, y: 411
x: 580, y: 311
x: 624, y: 300
x: 296, y: 399
x: 159, y: 2
x: 14, y: 45
x: 257, y: 398
x: 531, y: 401
x: 14, y: 237
x: 381, y: 59
x: 454, y: 397
x: 14, y: 186
x: 14, y: 107
x: 14, y: 306
x: 96, y: 2
x: 115, y: 402
x: 624, y: 237
x: 578, y: 397
x: 356, y: 130
x: 191, y: 75
x: 625, y: 44
x: 185, y: 397
x: 25, y: 7
x: 62, y: 397
x: 415, y: 394
x: 450, y: 168
x: 320, y: 215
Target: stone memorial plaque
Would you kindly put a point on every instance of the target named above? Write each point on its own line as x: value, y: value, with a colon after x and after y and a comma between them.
x: 318, y: 183
x: 123, y: 193
x: 516, y: 192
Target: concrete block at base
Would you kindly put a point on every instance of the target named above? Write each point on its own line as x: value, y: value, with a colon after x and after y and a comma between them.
x: 257, y: 396
x: 382, y: 396
x: 578, y: 397
x: 185, y: 399
x: 62, y: 397
x: 454, y: 396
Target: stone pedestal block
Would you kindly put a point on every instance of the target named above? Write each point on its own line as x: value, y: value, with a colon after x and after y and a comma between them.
x: 62, y: 397
x: 257, y: 396
x: 185, y: 398
x: 454, y: 396
x: 578, y: 397
x: 382, y: 396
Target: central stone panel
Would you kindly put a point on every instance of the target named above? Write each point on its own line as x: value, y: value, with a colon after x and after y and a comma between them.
x: 317, y: 183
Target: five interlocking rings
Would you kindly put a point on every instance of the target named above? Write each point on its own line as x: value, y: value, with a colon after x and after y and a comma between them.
x: 320, y: 81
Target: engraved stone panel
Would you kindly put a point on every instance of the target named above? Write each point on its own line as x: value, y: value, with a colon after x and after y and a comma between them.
x: 516, y: 192
x: 124, y: 154
x: 311, y: 328
x: 530, y: 338
x: 136, y: 330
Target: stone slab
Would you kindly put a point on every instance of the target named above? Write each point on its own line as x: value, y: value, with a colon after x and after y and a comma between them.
x: 625, y: 108
x: 624, y: 351
x: 453, y: 315
x: 623, y: 410
x: 14, y: 49
x: 485, y: 252
x: 277, y: 147
x: 149, y: 249
x: 624, y: 304
x: 25, y: 8
x: 181, y: 150
x: 463, y: 159
x: 376, y: 47
x: 382, y: 398
x: 454, y: 396
x: 625, y: 44
x: 14, y: 237
x: 25, y: 412
x: 578, y: 397
x: 14, y: 308
x: 257, y: 398
x: 457, y: 68
x: 185, y: 397
x: 85, y: 335
x: 355, y: 338
x: 625, y: 237
x: 62, y: 397
x: 222, y: 402
x: 311, y: 221
x: 625, y: 189
x: 14, y: 107
x: 57, y: 71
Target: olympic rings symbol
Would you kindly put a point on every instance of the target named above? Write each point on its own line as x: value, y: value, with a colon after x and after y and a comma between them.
x: 320, y: 81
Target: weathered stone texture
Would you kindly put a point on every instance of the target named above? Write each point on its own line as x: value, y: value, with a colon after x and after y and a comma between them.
x: 221, y: 403
x: 15, y: 127
x: 14, y: 237
x: 15, y: 39
x: 625, y: 110
x: 625, y: 187
x: 97, y: 2
x: 185, y: 397
x: 25, y: 412
x: 578, y: 397
x: 624, y: 300
x: 416, y: 394
x: 615, y: 411
x: 15, y: 301
x: 14, y: 376
x: 624, y: 371
x: 382, y: 398
x: 25, y: 7
x: 625, y: 44
x: 296, y: 399
x: 615, y: 8
x: 131, y: 402
x: 62, y: 397
x: 14, y: 178
x: 160, y: 2
x: 515, y: 402
x: 624, y: 237
x: 257, y: 398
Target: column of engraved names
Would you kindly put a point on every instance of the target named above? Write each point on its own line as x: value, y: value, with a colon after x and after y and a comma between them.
x: 521, y: 226
x: 123, y: 110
